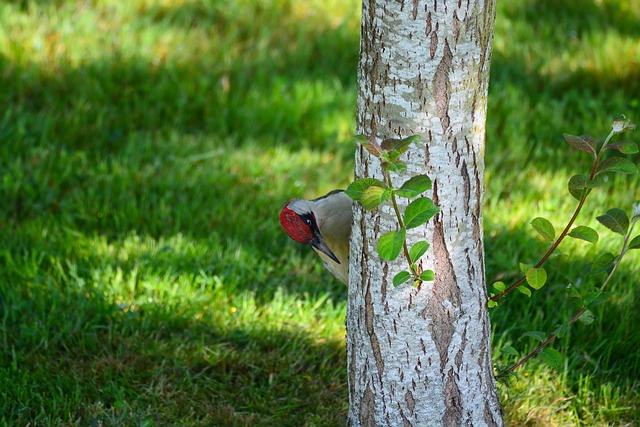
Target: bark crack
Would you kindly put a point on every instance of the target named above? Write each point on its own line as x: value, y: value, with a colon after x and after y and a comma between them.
x: 453, y: 407
x: 410, y: 401
x: 367, y: 408
x: 368, y: 320
x: 466, y: 187
x: 444, y: 299
x: 441, y: 308
x: 442, y: 86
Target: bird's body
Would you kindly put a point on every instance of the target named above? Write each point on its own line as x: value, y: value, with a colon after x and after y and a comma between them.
x: 325, y: 224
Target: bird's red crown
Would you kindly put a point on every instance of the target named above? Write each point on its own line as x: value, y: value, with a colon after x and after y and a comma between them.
x: 295, y: 225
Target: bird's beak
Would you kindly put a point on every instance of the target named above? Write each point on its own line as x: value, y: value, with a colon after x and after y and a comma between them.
x: 319, y: 243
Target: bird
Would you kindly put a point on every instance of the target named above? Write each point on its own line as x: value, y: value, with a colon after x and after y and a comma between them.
x: 324, y: 224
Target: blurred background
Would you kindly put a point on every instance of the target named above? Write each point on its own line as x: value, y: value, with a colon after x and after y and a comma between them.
x: 147, y: 147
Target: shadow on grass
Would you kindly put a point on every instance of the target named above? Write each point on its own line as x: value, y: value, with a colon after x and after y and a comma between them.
x: 579, y: 101
x: 77, y: 358
x: 533, y: 99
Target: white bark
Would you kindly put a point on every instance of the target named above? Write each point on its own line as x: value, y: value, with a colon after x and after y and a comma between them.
x: 422, y: 357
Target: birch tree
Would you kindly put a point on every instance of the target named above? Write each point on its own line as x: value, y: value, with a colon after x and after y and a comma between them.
x: 421, y: 356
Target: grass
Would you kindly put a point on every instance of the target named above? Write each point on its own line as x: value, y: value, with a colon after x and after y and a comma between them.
x: 146, y: 148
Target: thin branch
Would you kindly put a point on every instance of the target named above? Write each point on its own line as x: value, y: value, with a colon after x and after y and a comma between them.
x: 564, y: 233
x: 394, y: 202
x: 575, y: 317
x: 551, y: 249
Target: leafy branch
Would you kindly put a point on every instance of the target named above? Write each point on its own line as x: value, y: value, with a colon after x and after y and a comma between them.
x: 580, y: 187
x: 617, y: 221
x: 372, y: 193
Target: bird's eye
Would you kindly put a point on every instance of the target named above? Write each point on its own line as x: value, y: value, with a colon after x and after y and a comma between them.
x: 308, y: 221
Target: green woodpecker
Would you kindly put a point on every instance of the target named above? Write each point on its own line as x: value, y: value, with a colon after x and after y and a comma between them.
x: 325, y: 224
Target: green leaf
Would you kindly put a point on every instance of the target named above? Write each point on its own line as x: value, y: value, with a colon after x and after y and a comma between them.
x: 595, y: 182
x: 415, y: 186
x: 615, y: 220
x: 544, y: 228
x: 491, y: 303
x: 634, y: 243
x: 585, y: 233
x: 389, y: 144
x: 357, y: 188
x: 390, y: 244
x: 537, y: 335
x: 595, y: 297
x: 587, y: 317
x: 617, y: 164
x: 417, y: 250
x: 584, y: 143
x: 507, y: 349
x: 394, y: 166
x: 524, y: 267
x: 400, y: 278
x: 419, y: 211
x: 602, y: 264
x: 524, y: 290
x: 374, y: 196
x: 400, y: 145
x: 536, y: 277
x: 427, y: 276
x: 577, y: 185
x: 552, y: 358
x: 499, y: 286
x: 561, y: 330
x: 625, y: 147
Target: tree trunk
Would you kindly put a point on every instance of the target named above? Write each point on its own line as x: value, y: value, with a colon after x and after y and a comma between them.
x: 422, y: 356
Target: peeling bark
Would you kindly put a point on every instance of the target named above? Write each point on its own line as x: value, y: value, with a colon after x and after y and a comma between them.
x: 423, y: 356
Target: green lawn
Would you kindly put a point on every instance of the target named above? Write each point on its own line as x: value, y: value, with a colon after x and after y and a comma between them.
x: 146, y: 148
